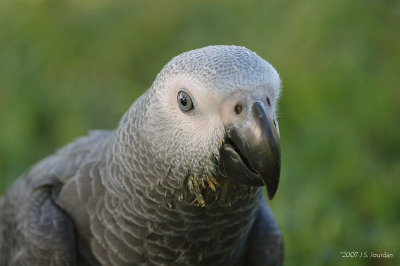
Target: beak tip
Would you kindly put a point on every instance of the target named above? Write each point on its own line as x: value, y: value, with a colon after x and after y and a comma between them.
x: 251, y: 153
x: 270, y: 196
x: 271, y: 190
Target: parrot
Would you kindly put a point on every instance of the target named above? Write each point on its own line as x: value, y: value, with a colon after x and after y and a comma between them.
x: 182, y: 180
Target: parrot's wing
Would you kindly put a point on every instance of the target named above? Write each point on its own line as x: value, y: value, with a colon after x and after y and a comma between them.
x: 264, y: 245
x: 34, y: 230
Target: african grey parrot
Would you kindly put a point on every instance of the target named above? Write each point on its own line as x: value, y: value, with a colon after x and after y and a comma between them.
x: 179, y: 182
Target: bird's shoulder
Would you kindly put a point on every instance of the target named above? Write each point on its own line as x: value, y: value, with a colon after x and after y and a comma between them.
x: 264, y: 245
x: 45, y: 230
x: 58, y: 168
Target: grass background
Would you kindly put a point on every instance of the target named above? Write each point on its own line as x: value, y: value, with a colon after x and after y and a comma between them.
x: 70, y: 66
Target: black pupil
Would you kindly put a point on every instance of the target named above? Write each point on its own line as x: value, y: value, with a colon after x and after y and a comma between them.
x: 183, y: 100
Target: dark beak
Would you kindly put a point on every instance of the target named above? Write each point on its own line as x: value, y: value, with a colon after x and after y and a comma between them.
x: 251, y: 153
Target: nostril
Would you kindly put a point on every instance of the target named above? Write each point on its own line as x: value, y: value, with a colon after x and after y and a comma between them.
x: 268, y: 101
x: 238, y: 108
x: 274, y: 122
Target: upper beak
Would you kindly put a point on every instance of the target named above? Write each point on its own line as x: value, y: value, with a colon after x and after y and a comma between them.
x: 251, y: 152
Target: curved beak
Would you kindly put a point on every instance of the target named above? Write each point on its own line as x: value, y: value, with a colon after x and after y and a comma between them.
x: 251, y: 152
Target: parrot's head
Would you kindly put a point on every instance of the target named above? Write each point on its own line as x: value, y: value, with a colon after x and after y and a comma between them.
x: 211, y: 120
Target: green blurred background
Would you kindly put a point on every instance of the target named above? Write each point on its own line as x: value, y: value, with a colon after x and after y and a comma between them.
x: 70, y: 66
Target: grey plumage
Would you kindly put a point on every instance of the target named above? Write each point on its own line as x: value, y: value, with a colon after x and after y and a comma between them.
x: 152, y: 192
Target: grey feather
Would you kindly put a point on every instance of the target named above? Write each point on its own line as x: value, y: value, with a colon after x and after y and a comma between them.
x: 150, y: 193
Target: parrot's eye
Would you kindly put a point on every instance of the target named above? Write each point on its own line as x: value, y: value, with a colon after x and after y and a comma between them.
x: 238, y: 109
x: 185, y: 102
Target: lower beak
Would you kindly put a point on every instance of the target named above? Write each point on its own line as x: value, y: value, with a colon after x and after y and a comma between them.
x: 251, y: 152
